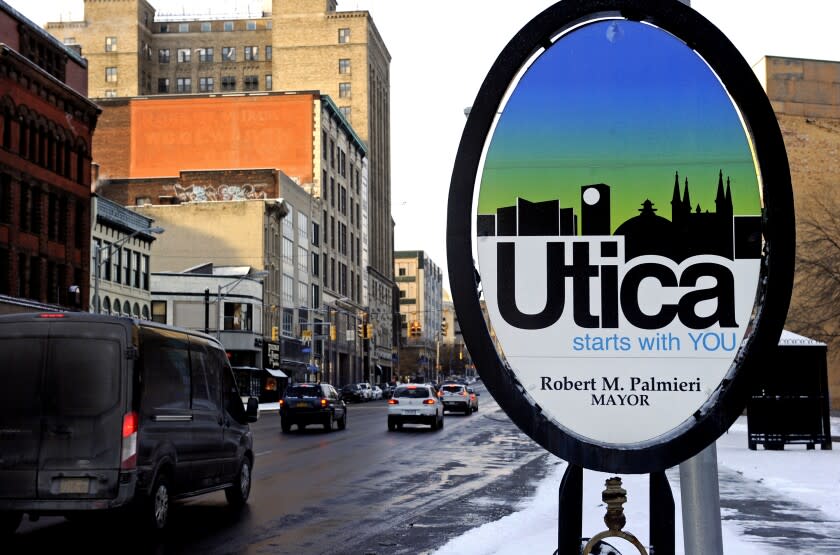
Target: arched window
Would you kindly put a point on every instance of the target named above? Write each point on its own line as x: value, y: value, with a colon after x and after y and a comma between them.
x: 145, y: 312
x: 127, y: 308
x: 106, y: 306
x: 117, y: 307
x: 136, y: 311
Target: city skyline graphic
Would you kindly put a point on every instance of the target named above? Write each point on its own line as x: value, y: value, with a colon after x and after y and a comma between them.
x: 622, y: 103
x: 691, y: 230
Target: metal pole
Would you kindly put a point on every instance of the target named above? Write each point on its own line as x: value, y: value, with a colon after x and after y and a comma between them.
x: 97, y: 255
x: 219, y: 313
x: 207, y: 311
x: 700, y: 494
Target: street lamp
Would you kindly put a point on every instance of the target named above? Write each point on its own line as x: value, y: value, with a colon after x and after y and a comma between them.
x: 230, y: 287
x: 97, y: 256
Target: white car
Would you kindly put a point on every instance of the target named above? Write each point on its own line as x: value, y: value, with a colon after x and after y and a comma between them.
x: 367, y: 391
x: 414, y: 404
x: 455, y: 397
x: 377, y: 392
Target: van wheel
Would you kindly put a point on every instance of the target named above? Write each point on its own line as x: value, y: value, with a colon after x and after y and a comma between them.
x: 157, y: 505
x: 9, y: 522
x: 237, y: 494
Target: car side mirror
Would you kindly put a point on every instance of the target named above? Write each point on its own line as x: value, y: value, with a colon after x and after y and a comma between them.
x: 252, y: 411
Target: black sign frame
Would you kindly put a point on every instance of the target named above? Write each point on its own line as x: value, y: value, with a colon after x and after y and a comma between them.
x: 776, y: 277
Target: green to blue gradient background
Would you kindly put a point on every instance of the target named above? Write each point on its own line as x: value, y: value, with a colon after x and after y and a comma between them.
x: 621, y: 103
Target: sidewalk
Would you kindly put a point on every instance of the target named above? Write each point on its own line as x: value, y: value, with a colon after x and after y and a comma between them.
x: 772, y: 503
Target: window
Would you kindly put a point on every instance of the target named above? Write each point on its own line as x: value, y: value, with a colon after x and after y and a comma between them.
x: 145, y: 284
x: 344, y: 65
x: 228, y: 53
x: 228, y: 83
x: 288, y: 251
x: 303, y: 260
x: 345, y: 111
x: 315, y: 232
x: 183, y: 55
x: 183, y: 84
x: 268, y: 84
x: 344, y: 90
x: 252, y: 53
x: 126, y: 268
x: 303, y: 294
x: 252, y: 83
x: 205, y: 84
x: 111, y: 74
x: 183, y: 27
x: 288, y: 228
x: 238, y: 316
x: 164, y: 27
x: 110, y: 44
x: 343, y: 35
x: 250, y: 25
x: 316, y: 264
x: 288, y: 290
x: 288, y: 321
x: 268, y: 52
x: 163, y: 56
x: 206, y: 27
x: 303, y: 227
x: 163, y: 85
x: 110, y: 93
x: 205, y: 54
x: 137, y: 270
x: 228, y: 26
x: 342, y: 200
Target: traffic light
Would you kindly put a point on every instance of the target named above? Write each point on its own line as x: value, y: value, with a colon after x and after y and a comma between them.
x: 332, y: 332
x: 360, y: 330
x: 443, y: 326
x: 368, y: 331
x: 275, y: 333
x: 415, y: 330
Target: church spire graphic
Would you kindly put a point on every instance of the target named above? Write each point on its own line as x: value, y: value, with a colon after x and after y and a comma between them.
x: 689, y: 232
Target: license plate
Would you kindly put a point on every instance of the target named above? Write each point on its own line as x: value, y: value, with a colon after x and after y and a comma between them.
x: 412, y: 412
x: 73, y: 485
x: 302, y: 405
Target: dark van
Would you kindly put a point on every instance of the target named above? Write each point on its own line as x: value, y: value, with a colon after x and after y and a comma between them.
x: 102, y: 412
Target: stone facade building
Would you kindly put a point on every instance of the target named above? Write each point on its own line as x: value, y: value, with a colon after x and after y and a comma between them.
x: 46, y: 124
x: 421, y: 315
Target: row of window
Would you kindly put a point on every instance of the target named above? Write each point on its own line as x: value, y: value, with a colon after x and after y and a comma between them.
x: 123, y: 308
x: 26, y: 281
x: 207, y: 54
x: 208, y: 26
x: 34, y: 217
x: 208, y: 84
x: 45, y: 147
x: 122, y: 265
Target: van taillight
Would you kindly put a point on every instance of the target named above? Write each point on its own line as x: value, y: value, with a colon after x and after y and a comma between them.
x: 129, y: 442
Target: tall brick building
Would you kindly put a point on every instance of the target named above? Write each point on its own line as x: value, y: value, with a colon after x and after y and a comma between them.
x: 47, y: 124
x: 291, y: 45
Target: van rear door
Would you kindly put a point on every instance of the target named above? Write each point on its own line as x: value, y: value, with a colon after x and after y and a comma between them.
x: 22, y: 348
x: 83, y: 410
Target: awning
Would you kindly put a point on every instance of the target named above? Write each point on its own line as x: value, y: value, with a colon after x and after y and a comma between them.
x: 276, y: 372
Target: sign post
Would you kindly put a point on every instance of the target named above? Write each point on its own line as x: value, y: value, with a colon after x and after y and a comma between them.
x: 633, y: 228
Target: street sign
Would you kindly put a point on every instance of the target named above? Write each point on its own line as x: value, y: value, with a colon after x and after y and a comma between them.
x: 633, y: 230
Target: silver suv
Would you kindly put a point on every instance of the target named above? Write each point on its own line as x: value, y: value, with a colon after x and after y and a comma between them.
x: 455, y: 397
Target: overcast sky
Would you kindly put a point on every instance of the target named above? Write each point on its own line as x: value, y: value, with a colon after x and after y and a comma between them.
x: 441, y: 51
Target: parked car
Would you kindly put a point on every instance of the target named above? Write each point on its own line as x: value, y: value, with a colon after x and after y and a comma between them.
x: 367, y: 391
x: 414, y: 404
x: 312, y: 403
x: 473, y: 398
x: 455, y: 398
x: 387, y: 390
x: 109, y: 412
x: 377, y: 392
x: 352, y: 393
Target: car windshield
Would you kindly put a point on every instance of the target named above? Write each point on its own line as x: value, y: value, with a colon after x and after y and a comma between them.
x: 303, y: 391
x: 453, y: 388
x: 412, y: 392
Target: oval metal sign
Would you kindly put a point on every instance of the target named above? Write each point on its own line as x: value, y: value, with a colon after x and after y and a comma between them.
x: 624, y: 182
